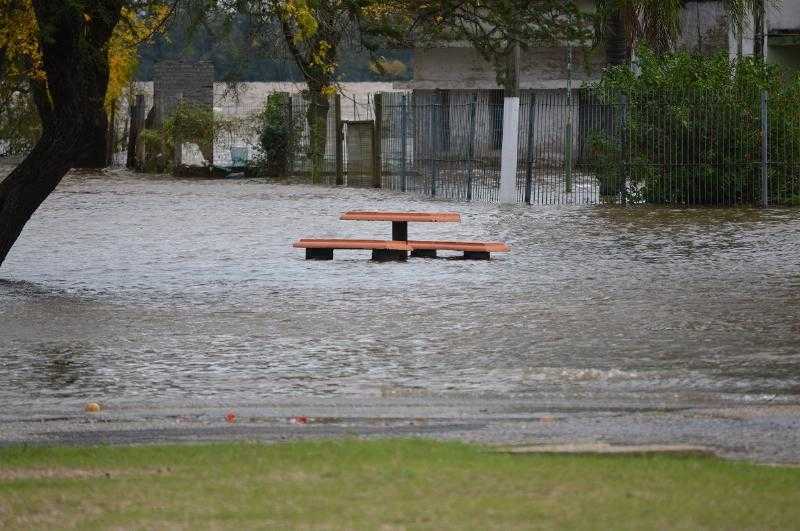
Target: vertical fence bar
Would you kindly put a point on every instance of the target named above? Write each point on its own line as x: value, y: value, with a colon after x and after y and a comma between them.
x: 403, y: 142
x: 178, y: 140
x: 764, y: 150
x: 529, y: 148
x: 288, y: 111
x: 435, y: 148
x: 473, y: 109
x: 623, y: 101
x: 137, y: 114
x: 568, y: 146
x: 339, y: 139
x: 376, y: 140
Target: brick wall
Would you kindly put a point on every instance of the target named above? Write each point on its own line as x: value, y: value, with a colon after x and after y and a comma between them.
x: 173, y: 79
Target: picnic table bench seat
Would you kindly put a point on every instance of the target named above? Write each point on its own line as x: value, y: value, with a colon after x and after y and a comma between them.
x: 322, y: 249
x: 473, y: 250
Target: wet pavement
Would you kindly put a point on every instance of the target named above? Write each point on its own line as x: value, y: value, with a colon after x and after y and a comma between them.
x: 173, y: 301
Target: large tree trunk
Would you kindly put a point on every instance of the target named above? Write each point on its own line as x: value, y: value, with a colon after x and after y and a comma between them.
x: 73, y: 40
x: 618, y: 52
x: 96, y: 138
x: 759, y: 18
x: 317, y: 117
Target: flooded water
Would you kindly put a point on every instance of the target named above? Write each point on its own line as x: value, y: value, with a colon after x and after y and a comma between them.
x: 132, y: 290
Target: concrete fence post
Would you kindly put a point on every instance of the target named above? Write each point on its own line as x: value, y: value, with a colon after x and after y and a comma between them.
x: 508, y: 157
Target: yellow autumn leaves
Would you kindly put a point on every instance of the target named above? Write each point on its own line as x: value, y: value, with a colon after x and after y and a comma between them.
x: 20, y: 47
x: 18, y: 44
x: 123, y: 56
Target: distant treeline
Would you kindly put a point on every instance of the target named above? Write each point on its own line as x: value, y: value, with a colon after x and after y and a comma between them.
x: 237, y: 56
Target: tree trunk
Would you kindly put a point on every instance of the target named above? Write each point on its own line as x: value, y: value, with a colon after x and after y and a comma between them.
x: 317, y: 117
x: 94, y: 154
x: 759, y: 16
x: 618, y: 51
x: 511, y: 81
x: 73, y: 41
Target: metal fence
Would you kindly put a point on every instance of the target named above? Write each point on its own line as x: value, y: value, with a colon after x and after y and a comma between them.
x: 584, y: 147
x: 574, y: 147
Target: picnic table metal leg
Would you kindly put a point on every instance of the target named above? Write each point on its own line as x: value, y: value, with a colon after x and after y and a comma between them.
x: 389, y: 255
x: 423, y: 253
x: 400, y: 230
x: 319, y: 254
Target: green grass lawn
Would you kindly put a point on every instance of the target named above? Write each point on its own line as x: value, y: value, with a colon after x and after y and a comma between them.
x: 391, y: 484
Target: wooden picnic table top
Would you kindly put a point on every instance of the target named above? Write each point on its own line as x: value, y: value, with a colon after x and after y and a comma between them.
x: 360, y: 215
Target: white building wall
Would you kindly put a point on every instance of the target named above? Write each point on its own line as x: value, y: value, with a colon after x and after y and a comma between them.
x: 461, y: 67
x: 704, y: 28
x: 783, y: 16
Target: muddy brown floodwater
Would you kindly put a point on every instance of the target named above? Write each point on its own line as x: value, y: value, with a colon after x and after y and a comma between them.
x: 159, y: 295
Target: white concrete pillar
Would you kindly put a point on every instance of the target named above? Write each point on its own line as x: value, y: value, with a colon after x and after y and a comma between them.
x: 508, y: 158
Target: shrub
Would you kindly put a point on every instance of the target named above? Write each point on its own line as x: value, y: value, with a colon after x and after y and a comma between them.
x: 692, y: 130
x: 189, y: 123
x: 20, y: 127
x: 277, y: 133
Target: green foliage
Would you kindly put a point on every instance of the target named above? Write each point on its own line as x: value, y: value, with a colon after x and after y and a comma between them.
x: 693, y: 130
x: 684, y: 71
x: 237, y: 55
x: 189, y: 123
x: 277, y: 136
x: 495, y: 28
x: 20, y: 126
x: 606, y: 163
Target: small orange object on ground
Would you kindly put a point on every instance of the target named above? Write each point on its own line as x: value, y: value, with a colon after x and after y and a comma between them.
x: 92, y: 407
x: 230, y: 417
x: 399, y: 246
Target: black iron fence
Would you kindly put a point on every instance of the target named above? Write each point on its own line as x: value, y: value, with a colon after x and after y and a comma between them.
x: 681, y: 148
x: 574, y: 147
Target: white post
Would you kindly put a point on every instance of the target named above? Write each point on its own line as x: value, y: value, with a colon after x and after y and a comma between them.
x: 508, y: 158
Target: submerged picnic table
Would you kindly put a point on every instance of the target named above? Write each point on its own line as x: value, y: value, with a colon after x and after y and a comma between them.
x: 399, y: 246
